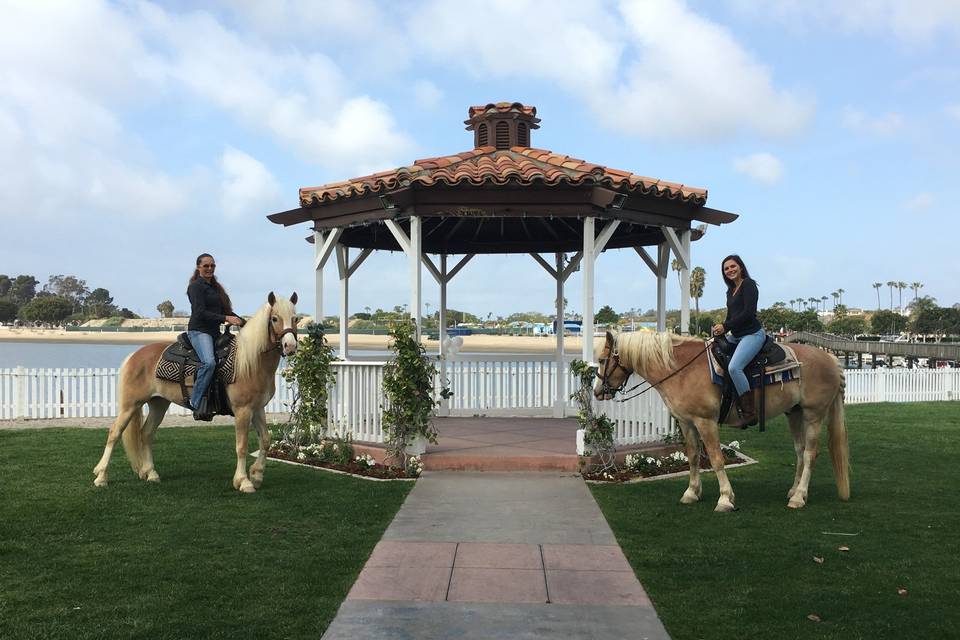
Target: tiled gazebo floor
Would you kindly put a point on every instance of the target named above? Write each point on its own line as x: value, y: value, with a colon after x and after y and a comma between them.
x: 501, y: 444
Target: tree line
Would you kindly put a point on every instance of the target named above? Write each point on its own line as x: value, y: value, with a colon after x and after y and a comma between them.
x: 64, y: 299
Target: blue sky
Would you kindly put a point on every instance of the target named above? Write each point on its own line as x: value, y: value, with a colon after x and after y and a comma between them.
x: 134, y: 136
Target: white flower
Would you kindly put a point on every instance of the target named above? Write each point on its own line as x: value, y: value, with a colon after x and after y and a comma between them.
x: 734, y: 445
x: 301, y: 456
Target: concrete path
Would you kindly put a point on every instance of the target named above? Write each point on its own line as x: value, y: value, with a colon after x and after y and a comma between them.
x: 497, y: 555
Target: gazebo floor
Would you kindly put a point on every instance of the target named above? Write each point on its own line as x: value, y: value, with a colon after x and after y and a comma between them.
x: 501, y: 444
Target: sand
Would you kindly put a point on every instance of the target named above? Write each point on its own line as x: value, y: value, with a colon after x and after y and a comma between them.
x: 471, y: 344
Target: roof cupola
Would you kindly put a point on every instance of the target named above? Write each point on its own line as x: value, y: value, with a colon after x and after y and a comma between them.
x: 502, y: 125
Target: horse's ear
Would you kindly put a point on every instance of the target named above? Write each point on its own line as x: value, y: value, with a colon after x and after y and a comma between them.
x: 293, y: 298
x: 271, y: 298
x: 609, y: 338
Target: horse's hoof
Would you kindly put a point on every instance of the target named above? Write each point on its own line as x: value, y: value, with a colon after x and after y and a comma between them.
x: 247, y: 487
x: 152, y: 477
x: 725, y: 507
x: 796, y: 504
x: 256, y: 482
x: 689, y: 497
x: 100, y: 482
x: 791, y: 492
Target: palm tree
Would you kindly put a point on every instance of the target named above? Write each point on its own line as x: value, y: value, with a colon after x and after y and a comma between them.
x: 698, y: 279
x: 824, y: 300
x: 836, y: 296
x: 891, y: 284
x: 901, y: 286
x: 877, y: 285
x: 840, y: 293
x: 675, y: 265
x: 813, y: 302
x: 916, y: 286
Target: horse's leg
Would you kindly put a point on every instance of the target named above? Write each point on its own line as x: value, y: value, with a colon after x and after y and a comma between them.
x: 158, y: 409
x: 710, y: 435
x: 795, y: 419
x: 692, y: 443
x: 116, y: 430
x: 811, y: 438
x: 242, y: 427
x: 256, y: 470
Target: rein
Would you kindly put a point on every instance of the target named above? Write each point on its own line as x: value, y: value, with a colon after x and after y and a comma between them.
x: 620, y: 389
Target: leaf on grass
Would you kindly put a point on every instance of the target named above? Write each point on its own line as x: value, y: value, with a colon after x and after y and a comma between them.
x: 843, y: 548
x: 813, y: 617
x: 901, y: 591
x: 818, y: 559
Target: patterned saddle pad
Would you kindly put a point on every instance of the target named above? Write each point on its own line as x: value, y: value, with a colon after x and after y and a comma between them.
x: 179, y: 362
x: 783, y: 371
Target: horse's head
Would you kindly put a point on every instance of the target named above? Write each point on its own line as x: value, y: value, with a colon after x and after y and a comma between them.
x: 282, y: 324
x: 612, y: 375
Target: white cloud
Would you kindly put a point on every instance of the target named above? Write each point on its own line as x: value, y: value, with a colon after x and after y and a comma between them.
x: 762, y: 167
x: 426, y: 94
x: 913, y: 23
x: 247, y: 187
x: 653, y: 69
x: 882, y: 125
x: 302, y: 99
x: 920, y: 203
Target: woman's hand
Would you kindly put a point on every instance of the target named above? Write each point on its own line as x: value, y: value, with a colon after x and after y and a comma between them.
x: 718, y: 330
x: 234, y: 320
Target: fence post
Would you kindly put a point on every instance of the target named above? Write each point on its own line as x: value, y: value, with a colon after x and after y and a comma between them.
x: 19, y: 392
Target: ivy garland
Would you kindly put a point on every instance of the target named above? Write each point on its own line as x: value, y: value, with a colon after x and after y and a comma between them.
x: 408, y: 387
x: 597, y: 429
x: 310, y: 369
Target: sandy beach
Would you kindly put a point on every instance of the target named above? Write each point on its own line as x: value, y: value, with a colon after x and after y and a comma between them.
x: 471, y: 344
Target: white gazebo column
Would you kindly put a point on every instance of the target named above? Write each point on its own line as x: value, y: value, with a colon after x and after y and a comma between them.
x: 442, y: 334
x: 416, y: 274
x: 589, y: 262
x: 680, y: 245
x: 663, y: 267
x: 322, y: 248
x: 560, y: 401
x: 343, y: 267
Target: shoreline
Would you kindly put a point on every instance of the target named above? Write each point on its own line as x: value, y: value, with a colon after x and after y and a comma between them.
x: 360, y: 342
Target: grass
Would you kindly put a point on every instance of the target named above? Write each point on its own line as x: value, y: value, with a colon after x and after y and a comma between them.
x: 186, y: 558
x: 751, y: 573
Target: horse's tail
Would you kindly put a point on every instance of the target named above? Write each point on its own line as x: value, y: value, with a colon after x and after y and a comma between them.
x: 132, y: 442
x: 839, y: 448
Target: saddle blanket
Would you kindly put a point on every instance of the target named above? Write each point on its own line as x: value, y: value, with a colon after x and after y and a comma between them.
x: 781, y: 372
x: 178, y: 370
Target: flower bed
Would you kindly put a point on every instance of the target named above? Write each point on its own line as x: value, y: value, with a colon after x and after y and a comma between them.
x: 338, y: 455
x: 637, y: 466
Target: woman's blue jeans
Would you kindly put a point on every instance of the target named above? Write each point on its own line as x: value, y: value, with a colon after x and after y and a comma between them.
x: 748, y: 346
x: 203, y: 345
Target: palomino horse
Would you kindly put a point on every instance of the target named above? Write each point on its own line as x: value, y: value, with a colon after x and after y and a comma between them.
x: 677, y: 368
x: 271, y: 332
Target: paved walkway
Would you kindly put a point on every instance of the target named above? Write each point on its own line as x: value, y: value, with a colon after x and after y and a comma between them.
x: 497, y: 555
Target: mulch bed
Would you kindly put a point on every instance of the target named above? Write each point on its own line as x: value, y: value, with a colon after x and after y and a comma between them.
x: 380, y: 471
x: 628, y: 475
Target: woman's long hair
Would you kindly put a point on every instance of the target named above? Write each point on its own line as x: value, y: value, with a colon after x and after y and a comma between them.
x: 731, y: 285
x: 224, y: 298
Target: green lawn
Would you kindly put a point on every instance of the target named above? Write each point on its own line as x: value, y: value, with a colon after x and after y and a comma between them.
x: 751, y: 573
x: 186, y: 558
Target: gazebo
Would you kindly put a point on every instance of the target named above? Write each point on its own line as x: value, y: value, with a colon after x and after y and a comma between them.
x: 504, y: 196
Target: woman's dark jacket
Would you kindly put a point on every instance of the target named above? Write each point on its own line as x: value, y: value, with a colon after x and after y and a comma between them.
x: 206, y: 308
x: 742, y: 310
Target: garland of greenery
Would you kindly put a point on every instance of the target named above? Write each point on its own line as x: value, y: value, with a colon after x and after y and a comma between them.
x: 597, y: 429
x: 408, y: 388
x: 310, y: 369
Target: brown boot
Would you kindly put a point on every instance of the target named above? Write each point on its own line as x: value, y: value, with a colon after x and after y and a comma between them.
x: 745, y: 407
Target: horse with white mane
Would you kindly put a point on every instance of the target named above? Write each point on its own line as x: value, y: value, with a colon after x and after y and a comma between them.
x: 677, y: 368
x: 270, y: 333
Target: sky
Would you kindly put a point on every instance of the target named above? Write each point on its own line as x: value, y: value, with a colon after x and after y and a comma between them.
x: 136, y: 135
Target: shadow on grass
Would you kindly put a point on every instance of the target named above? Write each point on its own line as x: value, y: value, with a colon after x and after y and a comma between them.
x: 186, y: 558
x: 751, y: 573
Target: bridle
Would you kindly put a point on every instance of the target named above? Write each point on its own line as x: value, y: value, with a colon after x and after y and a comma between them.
x: 276, y: 339
x: 605, y: 387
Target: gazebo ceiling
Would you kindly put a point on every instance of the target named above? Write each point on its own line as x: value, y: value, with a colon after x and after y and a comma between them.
x: 502, y: 198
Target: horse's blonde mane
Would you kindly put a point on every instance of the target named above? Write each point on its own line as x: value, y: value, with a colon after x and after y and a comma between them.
x: 254, y: 339
x: 641, y: 349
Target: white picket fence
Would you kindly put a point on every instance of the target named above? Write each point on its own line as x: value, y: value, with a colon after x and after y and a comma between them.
x: 482, y: 385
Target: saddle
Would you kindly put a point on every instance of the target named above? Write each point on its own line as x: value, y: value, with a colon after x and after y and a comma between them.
x: 773, y: 363
x: 179, y: 363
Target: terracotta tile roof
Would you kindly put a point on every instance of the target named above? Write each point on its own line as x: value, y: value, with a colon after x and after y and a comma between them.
x: 501, y: 107
x: 488, y: 165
